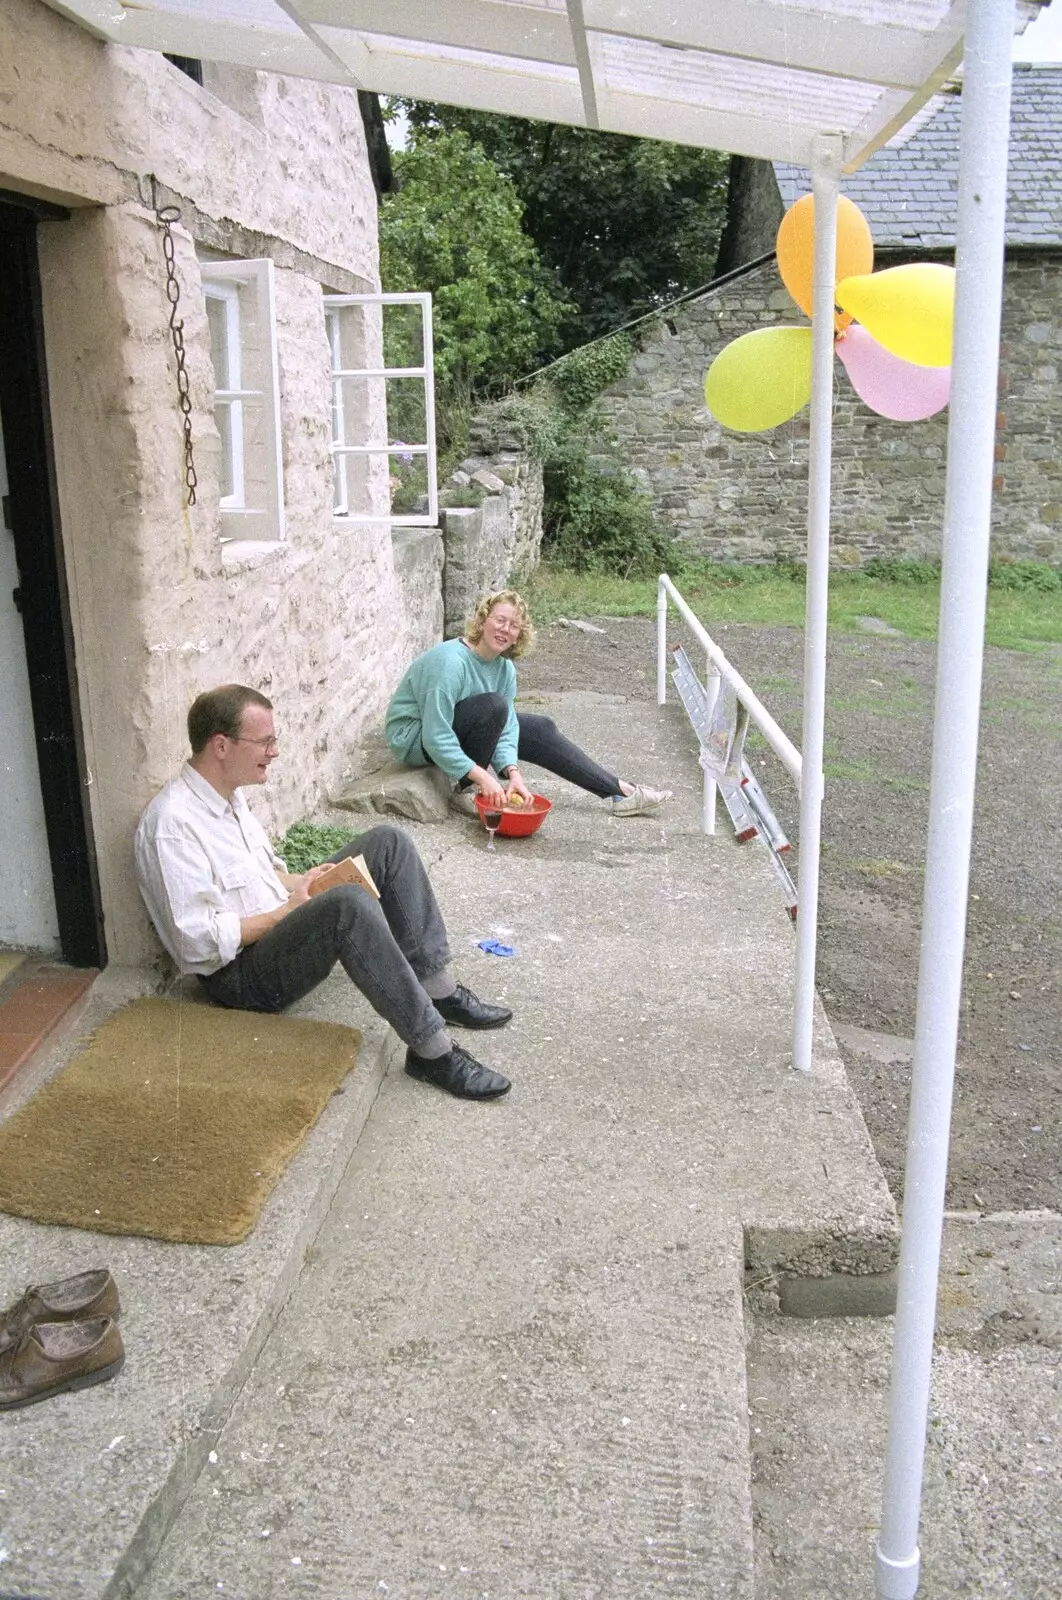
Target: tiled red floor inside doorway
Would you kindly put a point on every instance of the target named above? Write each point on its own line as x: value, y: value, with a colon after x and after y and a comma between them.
x: 34, y: 999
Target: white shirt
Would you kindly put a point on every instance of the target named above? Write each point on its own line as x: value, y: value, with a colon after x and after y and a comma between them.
x: 202, y: 863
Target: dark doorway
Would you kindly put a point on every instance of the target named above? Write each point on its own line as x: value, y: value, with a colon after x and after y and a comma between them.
x: 32, y: 515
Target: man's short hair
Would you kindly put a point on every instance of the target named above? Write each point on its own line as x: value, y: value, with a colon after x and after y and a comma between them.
x: 221, y: 711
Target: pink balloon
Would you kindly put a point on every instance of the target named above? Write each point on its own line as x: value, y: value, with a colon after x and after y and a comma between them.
x: 891, y: 387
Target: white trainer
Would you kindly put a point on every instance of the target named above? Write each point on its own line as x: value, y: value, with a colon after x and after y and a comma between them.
x: 641, y: 802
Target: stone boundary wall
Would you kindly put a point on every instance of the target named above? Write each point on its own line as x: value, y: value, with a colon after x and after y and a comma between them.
x: 498, y: 542
x: 418, y: 557
x: 741, y: 497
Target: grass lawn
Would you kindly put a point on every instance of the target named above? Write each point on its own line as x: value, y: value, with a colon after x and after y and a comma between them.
x: 1024, y: 601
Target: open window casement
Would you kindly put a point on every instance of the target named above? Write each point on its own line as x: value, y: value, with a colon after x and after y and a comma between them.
x: 383, y: 409
x: 241, y: 314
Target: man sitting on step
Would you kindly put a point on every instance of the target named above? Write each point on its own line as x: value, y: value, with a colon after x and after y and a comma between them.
x: 226, y: 908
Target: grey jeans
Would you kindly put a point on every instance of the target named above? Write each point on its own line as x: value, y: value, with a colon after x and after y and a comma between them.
x: 386, y: 947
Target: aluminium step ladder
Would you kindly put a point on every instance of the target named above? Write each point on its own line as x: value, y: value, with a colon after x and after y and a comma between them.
x: 720, y: 728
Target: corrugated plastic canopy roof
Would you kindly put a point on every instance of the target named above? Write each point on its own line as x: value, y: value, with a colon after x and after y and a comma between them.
x: 760, y: 78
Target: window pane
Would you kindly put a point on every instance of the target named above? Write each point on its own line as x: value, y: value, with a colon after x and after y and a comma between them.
x: 340, y: 491
x: 403, y: 336
x: 382, y: 483
x: 379, y: 411
x: 407, y: 412
x: 408, y: 480
x: 355, y: 337
x: 217, y: 317
x: 226, y: 471
x: 375, y: 336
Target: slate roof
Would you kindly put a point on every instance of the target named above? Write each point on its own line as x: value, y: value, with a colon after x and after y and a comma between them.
x: 908, y: 193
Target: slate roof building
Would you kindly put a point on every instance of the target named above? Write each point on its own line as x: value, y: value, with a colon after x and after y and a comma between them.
x: 743, y: 497
x: 907, y: 192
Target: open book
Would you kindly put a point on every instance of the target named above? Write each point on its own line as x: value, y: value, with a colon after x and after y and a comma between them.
x: 352, y: 869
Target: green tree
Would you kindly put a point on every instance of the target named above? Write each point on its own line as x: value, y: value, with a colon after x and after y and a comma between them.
x: 454, y: 227
x: 624, y: 224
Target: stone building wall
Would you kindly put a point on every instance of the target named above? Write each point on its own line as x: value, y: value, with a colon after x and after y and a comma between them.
x: 161, y: 608
x: 744, y: 497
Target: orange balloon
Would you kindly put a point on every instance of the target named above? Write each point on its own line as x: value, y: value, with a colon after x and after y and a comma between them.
x: 796, y: 250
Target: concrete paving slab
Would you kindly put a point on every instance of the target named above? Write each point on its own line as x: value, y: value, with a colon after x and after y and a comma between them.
x: 485, y: 1385
x: 515, y: 1363
x: 90, y: 1481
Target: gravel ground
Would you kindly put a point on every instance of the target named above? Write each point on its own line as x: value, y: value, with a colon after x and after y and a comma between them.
x: 1005, y: 1134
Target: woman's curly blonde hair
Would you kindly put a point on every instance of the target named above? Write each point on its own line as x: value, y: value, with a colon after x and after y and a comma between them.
x: 524, y: 639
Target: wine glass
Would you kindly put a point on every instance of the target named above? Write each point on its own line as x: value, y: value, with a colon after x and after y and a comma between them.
x: 492, y: 822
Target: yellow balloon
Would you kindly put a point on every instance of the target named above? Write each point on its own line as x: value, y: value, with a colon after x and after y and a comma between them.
x: 795, y: 245
x: 909, y: 310
x: 761, y: 379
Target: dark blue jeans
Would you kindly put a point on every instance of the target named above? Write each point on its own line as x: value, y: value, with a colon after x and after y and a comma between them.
x: 478, y: 724
x: 385, y: 946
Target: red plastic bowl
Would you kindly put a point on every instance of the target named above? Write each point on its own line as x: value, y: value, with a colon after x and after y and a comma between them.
x: 517, y: 822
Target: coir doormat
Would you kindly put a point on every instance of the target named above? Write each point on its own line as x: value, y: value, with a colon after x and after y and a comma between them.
x: 174, y: 1121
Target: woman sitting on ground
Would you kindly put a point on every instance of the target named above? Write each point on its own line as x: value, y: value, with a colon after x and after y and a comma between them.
x: 454, y: 709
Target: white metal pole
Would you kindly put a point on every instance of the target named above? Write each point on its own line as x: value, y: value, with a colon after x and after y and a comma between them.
x: 967, y: 517
x: 825, y: 182
x: 661, y: 640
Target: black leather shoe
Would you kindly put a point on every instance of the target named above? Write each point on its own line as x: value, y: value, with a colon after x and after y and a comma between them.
x: 460, y: 1073
x: 463, y: 1009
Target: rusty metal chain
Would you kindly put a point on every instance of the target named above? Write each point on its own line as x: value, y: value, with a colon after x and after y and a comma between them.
x: 167, y: 216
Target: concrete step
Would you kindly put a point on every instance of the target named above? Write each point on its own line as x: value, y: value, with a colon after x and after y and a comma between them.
x: 515, y: 1343
x: 516, y: 1364
x: 92, y: 1480
x: 488, y: 1382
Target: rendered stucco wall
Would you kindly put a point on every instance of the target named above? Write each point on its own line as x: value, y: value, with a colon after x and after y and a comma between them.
x: 744, y: 497
x: 159, y: 611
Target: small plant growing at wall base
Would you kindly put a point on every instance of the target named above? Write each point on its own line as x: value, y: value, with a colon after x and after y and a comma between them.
x: 307, y: 844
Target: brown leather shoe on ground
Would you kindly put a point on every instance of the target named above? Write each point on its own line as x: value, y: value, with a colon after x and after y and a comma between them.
x: 52, y: 1357
x: 88, y: 1294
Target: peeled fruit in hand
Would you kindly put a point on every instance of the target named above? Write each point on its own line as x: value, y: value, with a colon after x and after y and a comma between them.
x: 516, y: 800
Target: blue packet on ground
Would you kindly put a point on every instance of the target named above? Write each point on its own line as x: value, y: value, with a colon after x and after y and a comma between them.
x: 494, y: 947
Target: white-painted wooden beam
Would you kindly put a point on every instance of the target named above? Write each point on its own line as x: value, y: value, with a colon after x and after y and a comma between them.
x: 263, y: 49
x: 895, y: 112
x: 740, y: 132
x: 342, y: 63
x: 508, y: 30
x: 787, y: 35
x: 585, y: 65
x: 100, y: 17
x: 555, y: 97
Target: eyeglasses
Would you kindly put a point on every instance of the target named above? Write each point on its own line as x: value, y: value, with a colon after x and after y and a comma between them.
x: 270, y: 742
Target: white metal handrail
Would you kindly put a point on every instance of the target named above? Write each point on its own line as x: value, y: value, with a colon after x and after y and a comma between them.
x: 719, y: 671
x: 719, y: 668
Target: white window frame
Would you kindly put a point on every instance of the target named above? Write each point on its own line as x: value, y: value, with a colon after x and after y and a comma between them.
x: 341, y: 492
x: 341, y: 449
x: 228, y: 296
x: 233, y: 283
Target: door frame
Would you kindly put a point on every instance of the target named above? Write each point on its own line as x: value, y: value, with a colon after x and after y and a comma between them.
x: 33, y: 514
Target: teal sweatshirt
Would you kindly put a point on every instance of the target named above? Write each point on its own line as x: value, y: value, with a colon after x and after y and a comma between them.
x: 420, y: 717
